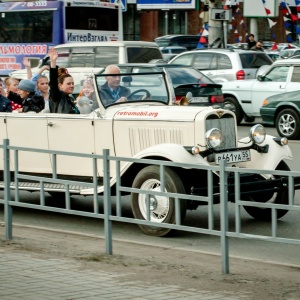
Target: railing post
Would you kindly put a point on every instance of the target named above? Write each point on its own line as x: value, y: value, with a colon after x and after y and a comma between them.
x: 107, y: 203
x: 7, y: 208
x: 224, y: 217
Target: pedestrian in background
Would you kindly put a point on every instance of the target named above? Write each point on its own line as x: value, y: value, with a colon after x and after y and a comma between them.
x: 251, y: 41
x: 258, y: 46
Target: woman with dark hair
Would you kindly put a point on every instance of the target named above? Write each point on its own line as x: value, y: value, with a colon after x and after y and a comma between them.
x: 30, y: 100
x: 61, y: 88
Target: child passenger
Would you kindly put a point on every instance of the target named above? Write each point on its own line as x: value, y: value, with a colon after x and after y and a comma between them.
x: 31, y: 101
x: 87, y: 97
x: 5, y: 105
x: 12, y: 92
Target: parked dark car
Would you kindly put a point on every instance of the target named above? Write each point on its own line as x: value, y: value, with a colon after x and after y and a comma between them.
x: 187, y: 81
x: 188, y: 41
x: 283, y: 111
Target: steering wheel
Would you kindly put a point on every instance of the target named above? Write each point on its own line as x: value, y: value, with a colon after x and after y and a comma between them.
x: 147, y: 94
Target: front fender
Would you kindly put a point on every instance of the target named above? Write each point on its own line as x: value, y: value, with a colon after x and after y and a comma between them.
x: 234, y: 95
x: 267, y: 161
x: 172, y: 152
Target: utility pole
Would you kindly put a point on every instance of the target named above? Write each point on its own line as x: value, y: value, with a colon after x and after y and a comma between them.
x: 214, y: 27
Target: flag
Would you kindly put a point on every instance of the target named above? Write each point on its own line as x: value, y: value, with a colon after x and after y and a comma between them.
x: 267, y: 11
x: 199, y: 46
x: 289, y: 46
x: 205, y: 33
x: 274, y: 47
x: 271, y: 23
x: 202, y: 40
x: 294, y: 18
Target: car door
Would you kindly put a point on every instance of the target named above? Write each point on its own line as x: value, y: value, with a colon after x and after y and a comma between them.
x: 293, y: 84
x: 274, y: 82
x: 29, y: 130
x: 72, y: 133
x: 224, y: 68
x: 207, y: 63
x: 184, y: 59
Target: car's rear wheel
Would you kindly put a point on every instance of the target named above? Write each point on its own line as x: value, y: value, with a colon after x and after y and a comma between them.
x: 265, y: 214
x: 235, y: 107
x: 162, y: 208
x: 288, y: 124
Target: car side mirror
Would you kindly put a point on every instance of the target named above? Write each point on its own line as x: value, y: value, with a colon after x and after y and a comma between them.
x: 260, y: 78
x: 127, y: 79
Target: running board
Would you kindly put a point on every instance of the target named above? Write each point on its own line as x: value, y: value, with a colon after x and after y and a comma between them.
x: 51, y: 187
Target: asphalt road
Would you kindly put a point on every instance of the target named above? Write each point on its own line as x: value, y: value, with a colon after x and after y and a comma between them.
x: 288, y: 226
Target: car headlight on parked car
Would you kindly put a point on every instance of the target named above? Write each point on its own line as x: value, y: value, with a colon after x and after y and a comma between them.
x: 257, y: 134
x: 213, y: 138
x: 265, y: 102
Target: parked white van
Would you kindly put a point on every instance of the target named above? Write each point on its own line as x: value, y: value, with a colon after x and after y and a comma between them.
x: 101, y: 54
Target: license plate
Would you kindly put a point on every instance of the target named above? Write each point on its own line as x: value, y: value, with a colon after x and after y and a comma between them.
x: 234, y: 156
x: 199, y: 99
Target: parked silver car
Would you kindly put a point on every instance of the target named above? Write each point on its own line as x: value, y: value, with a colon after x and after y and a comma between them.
x: 171, y: 51
x: 223, y: 65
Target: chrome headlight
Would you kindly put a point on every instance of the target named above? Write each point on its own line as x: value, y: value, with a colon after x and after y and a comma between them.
x: 213, y: 138
x: 257, y: 134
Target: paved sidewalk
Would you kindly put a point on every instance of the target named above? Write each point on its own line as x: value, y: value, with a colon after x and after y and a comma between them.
x: 26, y: 277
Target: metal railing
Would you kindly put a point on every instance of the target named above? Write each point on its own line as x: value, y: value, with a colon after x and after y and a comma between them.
x: 108, y: 217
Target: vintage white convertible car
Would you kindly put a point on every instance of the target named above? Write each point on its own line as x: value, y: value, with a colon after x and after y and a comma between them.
x: 148, y: 125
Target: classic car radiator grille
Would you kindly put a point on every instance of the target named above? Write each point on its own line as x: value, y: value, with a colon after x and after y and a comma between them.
x: 141, y: 138
x: 227, y: 126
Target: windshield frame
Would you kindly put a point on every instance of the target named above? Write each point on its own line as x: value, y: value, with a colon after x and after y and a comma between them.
x: 161, y: 97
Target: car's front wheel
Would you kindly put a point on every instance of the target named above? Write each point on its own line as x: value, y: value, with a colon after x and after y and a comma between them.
x: 265, y: 214
x: 162, y: 208
x: 288, y: 124
x: 232, y: 104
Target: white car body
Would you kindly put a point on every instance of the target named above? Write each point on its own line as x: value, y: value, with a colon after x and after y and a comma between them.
x: 140, y: 128
x: 250, y: 94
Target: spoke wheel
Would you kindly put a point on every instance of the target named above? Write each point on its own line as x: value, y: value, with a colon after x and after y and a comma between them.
x: 265, y: 214
x: 162, y: 208
x: 288, y: 124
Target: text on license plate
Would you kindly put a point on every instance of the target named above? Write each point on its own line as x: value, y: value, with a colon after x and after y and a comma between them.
x: 199, y: 99
x: 234, y: 156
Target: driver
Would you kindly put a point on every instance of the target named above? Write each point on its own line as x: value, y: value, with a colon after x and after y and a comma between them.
x: 111, y: 91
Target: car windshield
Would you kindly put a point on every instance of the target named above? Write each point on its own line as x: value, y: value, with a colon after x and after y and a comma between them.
x: 183, y: 75
x: 114, y: 89
x: 255, y: 60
